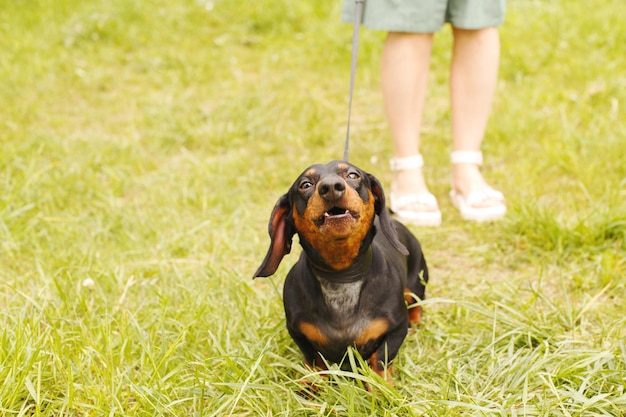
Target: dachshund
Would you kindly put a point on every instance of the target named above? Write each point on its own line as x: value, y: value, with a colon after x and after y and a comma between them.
x: 352, y: 286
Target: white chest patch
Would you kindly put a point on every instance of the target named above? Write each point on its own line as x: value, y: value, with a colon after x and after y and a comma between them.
x: 341, y: 297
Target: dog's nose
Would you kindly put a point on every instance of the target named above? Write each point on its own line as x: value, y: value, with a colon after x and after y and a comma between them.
x: 331, y: 188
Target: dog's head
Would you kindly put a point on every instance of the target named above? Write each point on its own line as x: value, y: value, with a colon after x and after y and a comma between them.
x: 332, y: 208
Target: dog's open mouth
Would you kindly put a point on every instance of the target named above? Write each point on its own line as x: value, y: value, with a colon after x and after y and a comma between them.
x: 336, y: 214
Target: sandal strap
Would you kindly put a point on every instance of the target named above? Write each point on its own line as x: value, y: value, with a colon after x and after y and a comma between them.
x: 425, y: 199
x: 467, y: 157
x: 479, y: 196
x: 407, y: 162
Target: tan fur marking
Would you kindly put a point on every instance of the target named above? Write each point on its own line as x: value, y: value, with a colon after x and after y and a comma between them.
x: 415, y: 315
x: 373, y: 331
x: 313, y: 333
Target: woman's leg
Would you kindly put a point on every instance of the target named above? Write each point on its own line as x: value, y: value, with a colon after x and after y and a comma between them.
x: 404, y: 72
x: 473, y: 79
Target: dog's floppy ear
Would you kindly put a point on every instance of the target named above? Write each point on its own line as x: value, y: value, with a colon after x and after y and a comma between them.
x: 281, y: 233
x: 389, y: 230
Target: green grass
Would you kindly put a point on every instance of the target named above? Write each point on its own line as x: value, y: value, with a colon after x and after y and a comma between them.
x: 144, y: 145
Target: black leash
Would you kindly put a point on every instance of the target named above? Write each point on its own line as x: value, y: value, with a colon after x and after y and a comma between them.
x: 355, y: 49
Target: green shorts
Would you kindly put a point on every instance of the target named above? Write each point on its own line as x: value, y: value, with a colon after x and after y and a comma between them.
x: 426, y: 16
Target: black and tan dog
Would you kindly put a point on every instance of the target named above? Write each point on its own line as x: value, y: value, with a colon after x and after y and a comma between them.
x: 351, y: 285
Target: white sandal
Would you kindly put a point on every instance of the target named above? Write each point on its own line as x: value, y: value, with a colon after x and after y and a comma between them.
x: 481, y: 205
x: 420, y: 209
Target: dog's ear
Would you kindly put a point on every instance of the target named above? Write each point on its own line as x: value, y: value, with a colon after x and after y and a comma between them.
x: 281, y: 233
x: 389, y: 230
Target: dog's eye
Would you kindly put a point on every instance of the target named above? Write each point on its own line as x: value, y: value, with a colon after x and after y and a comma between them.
x: 353, y: 176
x: 305, y: 185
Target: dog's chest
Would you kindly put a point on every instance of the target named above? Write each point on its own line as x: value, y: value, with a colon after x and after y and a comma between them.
x: 341, y: 298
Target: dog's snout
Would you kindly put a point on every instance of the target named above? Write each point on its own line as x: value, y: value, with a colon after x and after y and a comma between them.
x: 332, y: 188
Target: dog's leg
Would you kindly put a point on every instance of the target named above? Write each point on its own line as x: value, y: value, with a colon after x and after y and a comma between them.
x: 380, y: 360
x: 415, y: 311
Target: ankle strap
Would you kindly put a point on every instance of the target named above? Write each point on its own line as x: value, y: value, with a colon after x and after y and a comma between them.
x: 407, y: 162
x: 467, y: 157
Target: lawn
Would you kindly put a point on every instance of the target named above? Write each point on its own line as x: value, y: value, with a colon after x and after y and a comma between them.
x: 144, y: 145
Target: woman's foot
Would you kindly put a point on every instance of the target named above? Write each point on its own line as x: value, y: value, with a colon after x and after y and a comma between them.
x: 410, y: 200
x: 470, y: 193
